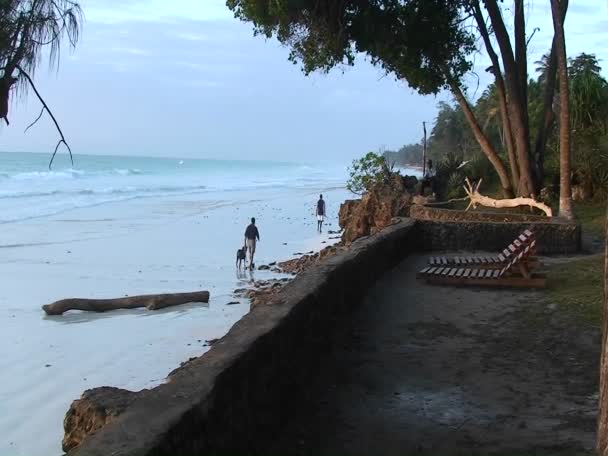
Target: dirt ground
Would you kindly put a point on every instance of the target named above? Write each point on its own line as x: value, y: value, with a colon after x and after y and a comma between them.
x: 431, y: 370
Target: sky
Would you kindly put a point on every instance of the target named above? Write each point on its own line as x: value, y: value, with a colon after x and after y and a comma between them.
x: 186, y: 79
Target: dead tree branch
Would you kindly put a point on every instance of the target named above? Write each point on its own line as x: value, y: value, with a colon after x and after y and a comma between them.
x: 46, y: 108
x: 35, y: 121
x: 150, y: 302
x: 476, y: 198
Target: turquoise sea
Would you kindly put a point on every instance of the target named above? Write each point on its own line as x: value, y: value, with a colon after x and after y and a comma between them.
x: 28, y: 189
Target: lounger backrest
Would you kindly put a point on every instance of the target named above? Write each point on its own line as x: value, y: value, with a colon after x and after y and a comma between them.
x: 522, y: 250
x: 518, y: 244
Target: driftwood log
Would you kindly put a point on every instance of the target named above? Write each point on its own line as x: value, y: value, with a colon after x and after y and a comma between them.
x: 476, y: 198
x: 150, y: 302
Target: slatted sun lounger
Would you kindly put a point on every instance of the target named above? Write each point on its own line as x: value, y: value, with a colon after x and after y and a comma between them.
x: 514, y: 274
x: 493, y: 261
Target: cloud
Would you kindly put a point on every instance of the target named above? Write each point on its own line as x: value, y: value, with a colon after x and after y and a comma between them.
x: 188, y: 36
x: 156, y: 11
x: 130, y: 51
x: 579, y: 8
x: 210, y: 67
x: 600, y: 26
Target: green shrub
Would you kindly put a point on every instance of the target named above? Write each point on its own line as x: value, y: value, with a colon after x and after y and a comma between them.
x: 367, y: 172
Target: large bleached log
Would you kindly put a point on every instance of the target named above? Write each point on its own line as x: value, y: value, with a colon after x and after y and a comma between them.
x: 477, y: 198
x: 151, y: 302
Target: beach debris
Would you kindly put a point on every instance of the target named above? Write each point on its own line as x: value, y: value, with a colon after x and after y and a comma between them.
x: 232, y: 303
x: 264, y: 267
x: 475, y: 198
x: 150, y: 302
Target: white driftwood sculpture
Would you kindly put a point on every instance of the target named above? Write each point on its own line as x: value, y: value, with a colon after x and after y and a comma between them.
x: 476, y: 198
x: 150, y: 302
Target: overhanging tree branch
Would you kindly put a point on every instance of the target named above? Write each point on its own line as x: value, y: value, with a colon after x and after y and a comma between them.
x: 46, y: 108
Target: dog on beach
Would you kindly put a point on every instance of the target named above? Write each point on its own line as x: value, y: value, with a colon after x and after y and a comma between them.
x: 241, y: 256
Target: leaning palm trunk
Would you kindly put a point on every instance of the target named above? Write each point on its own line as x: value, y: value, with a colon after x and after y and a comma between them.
x: 484, y: 143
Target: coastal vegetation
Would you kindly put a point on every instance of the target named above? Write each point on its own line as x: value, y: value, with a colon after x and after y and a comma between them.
x: 394, y: 35
x: 451, y: 144
x: 369, y: 171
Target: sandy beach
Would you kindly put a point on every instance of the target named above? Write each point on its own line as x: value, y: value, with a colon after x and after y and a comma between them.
x: 169, y: 244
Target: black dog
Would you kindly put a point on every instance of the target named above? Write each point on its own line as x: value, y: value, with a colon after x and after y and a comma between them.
x: 241, y: 256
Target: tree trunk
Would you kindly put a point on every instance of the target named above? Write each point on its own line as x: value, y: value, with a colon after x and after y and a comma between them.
x: 151, y: 302
x: 516, y: 99
x: 547, y: 120
x: 502, y: 96
x: 565, y: 190
x: 548, y: 115
x: 521, y: 54
x: 520, y: 44
x: 483, y: 141
x: 602, y: 422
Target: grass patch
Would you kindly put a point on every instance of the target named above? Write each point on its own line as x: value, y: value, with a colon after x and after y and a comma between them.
x: 591, y: 216
x: 576, y: 288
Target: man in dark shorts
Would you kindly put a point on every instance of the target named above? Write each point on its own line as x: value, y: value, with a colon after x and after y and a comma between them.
x: 320, y: 213
x: 252, y: 235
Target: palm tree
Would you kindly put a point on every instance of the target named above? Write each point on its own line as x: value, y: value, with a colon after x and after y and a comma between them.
x: 28, y: 29
x: 542, y: 67
x: 588, y: 93
x: 589, y: 113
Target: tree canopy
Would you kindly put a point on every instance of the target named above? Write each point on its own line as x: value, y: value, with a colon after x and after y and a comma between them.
x: 421, y: 41
x: 429, y: 44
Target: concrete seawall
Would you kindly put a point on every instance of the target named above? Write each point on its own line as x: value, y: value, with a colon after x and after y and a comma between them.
x: 234, y: 399
x: 444, y: 229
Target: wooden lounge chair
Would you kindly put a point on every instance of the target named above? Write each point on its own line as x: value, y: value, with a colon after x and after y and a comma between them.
x: 514, y: 274
x: 493, y: 261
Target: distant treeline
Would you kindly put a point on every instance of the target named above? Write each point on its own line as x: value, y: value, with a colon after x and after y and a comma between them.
x: 408, y: 155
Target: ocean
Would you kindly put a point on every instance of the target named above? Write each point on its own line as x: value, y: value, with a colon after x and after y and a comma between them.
x: 28, y: 189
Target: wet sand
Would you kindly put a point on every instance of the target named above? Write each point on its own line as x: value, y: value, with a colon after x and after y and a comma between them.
x: 134, y: 247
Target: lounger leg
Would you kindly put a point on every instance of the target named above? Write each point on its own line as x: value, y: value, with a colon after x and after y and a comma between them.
x: 524, y: 271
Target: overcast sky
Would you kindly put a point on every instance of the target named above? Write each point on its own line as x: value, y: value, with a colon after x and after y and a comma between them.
x: 186, y: 79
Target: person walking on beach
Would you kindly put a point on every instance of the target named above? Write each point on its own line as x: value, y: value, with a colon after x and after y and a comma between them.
x: 252, y: 235
x: 320, y: 213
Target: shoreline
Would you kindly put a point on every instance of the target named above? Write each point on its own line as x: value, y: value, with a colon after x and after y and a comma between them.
x: 178, y: 244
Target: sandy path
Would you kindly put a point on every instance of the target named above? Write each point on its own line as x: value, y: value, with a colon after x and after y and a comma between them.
x: 436, y: 370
